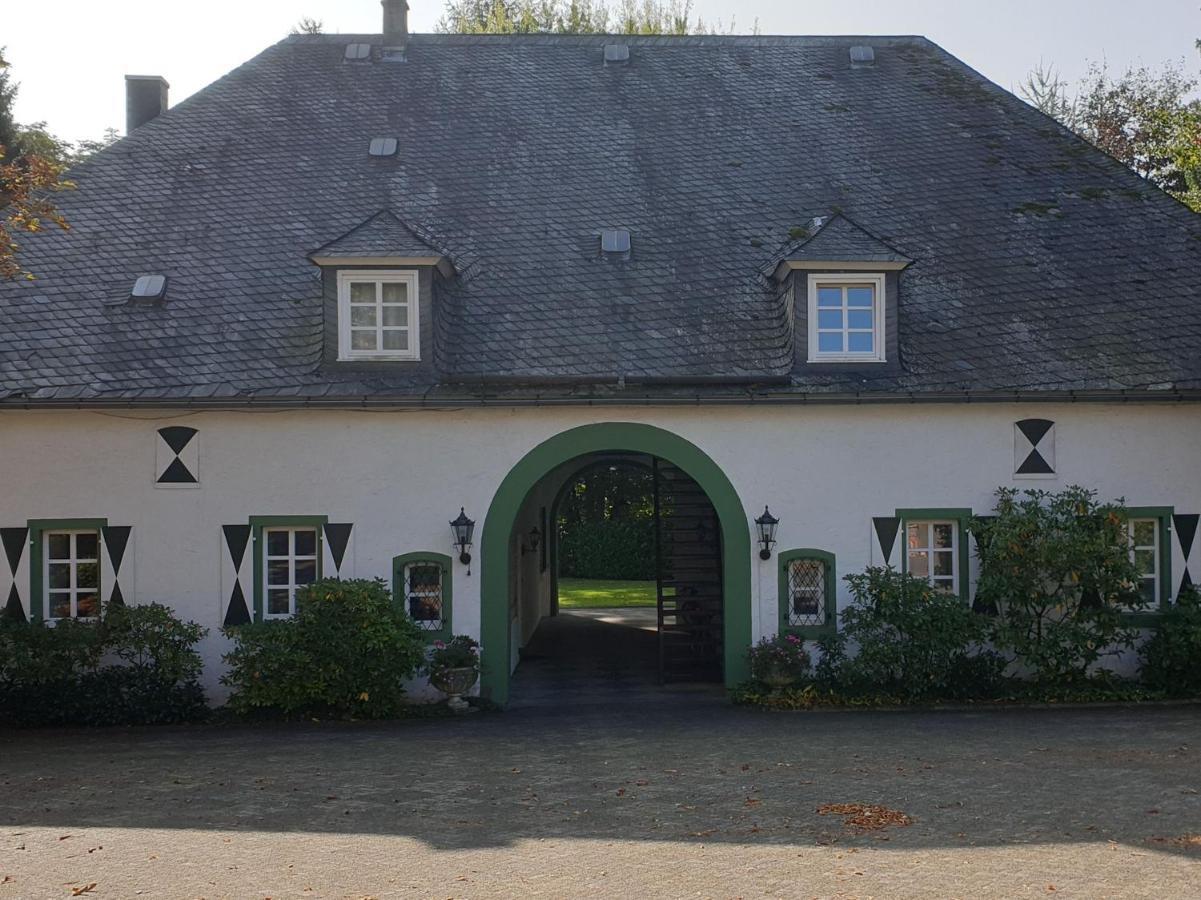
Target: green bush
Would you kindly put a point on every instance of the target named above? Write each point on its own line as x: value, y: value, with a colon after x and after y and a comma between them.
x: 1171, y: 657
x: 609, y: 548
x: 912, y: 642
x: 137, y: 665
x: 1056, y: 569
x: 346, y: 653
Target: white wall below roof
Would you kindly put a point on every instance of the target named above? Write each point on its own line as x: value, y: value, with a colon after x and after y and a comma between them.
x: 400, y: 476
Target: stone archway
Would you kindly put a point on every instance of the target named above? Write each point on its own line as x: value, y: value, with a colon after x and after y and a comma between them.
x: 598, y: 438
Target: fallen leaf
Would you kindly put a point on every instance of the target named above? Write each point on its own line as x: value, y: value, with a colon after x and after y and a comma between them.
x: 864, y: 817
x: 85, y: 889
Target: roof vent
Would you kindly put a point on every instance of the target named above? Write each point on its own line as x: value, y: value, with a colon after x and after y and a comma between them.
x: 617, y: 54
x: 149, y: 289
x: 356, y: 52
x: 862, y: 57
x: 383, y: 147
x: 615, y: 241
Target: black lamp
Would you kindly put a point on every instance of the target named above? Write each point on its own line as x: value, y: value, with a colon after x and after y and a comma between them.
x: 532, y: 541
x: 766, y: 524
x: 462, y: 528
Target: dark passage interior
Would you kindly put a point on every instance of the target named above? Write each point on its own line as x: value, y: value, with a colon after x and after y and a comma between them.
x: 632, y: 634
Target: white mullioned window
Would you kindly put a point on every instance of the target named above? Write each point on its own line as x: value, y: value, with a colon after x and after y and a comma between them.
x: 377, y: 315
x: 933, y: 553
x: 71, y: 574
x: 290, y: 557
x: 846, y: 318
x: 1144, y: 553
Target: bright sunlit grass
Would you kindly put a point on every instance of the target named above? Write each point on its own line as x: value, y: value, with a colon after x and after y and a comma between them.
x: 585, y: 593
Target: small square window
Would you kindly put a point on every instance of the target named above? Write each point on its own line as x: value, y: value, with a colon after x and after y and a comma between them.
x: 71, y: 574
x: 846, y: 318
x: 377, y: 316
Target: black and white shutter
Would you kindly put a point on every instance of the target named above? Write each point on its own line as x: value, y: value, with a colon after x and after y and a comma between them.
x: 14, y: 574
x: 337, y: 559
x: 1034, y: 448
x: 177, y: 457
x: 116, y: 564
x: 237, y: 574
x: 1184, y: 526
x: 885, y: 544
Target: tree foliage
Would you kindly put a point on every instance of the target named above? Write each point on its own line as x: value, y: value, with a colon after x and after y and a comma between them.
x: 574, y: 17
x: 309, y: 25
x: 1057, y: 570
x: 1149, y: 120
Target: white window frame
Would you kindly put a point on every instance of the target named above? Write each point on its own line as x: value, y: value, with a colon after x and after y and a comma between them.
x: 292, y: 558
x: 844, y: 280
x: 74, y: 561
x: 936, y: 582
x: 379, y: 278
x: 1155, y: 576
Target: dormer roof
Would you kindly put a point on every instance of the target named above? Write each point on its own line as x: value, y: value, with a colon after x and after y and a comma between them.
x: 381, y: 240
x: 836, y: 242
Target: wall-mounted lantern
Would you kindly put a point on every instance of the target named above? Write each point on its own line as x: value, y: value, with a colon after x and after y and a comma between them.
x: 532, y: 541
x: 462, y: 528
x: 766, y: 524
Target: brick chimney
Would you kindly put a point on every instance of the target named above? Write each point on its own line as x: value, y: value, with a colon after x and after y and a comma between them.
x: 396, y: 22
x: 145, y: 99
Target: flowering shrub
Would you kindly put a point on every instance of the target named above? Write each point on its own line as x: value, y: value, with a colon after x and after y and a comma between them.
x: 779, y: 660
x: 460, y: 652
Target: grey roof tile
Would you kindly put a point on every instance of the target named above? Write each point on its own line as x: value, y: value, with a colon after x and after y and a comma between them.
x: 1039, y: 264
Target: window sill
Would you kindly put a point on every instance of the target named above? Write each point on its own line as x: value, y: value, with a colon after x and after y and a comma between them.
x: 371, y: 359
x: 845, y: 360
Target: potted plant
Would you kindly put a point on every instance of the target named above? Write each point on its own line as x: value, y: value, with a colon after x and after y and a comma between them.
x: 453, y: 668
x: 779, y: 661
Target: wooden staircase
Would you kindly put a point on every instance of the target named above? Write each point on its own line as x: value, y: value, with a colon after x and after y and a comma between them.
x: 689, y: 553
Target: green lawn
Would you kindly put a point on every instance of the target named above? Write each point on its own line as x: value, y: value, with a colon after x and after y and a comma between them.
x: 583, y: 593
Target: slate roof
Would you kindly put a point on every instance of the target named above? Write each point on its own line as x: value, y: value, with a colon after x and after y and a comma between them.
x: 838, y: 238
x: 1040, y: 267
x: 381, y: 235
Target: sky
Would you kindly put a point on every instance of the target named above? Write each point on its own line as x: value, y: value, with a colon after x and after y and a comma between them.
x: 71, y: 56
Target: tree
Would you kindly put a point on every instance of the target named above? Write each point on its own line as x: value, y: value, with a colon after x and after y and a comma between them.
x: 309, y: 25
x: 1150, y: 121
x: 573, y: 17
x: 31, y: 168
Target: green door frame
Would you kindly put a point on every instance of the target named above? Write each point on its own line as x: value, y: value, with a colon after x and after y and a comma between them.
x: 625, y: 437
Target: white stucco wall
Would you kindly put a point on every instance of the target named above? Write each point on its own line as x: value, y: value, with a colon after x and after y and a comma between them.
x: 399, y: 476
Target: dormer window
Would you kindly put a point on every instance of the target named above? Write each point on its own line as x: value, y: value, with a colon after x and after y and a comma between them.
x: 846, y: 318
x: 377, y: 315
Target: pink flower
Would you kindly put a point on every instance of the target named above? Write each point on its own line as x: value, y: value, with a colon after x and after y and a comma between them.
x: 439, y: 645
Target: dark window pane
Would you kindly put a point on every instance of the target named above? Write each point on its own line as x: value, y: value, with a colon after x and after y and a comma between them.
x: 278, y: 572
x: 425, y: 608
x: 86, y: 546
x: 943, y: 564
x: 60, y: 575
x: 943, y: 535
x: 277, y: 603
x: 87, y: 575
x: 306, y: 571
x: 277, y: 543
x: 58, y: 546
x: 88, y: 605
x: 60, y: 606
x: 306, y: 543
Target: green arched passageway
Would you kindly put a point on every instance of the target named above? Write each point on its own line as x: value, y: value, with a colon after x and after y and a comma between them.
x: 610, y: 437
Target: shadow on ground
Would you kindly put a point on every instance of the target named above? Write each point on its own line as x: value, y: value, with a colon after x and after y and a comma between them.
x: 605, y: 754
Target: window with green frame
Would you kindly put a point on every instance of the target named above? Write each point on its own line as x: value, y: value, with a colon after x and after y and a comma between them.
x: 421, y: 587
x: 1149, y: 529
x: 808, y: 595
x: 64, y: 568
x: 287, y: 557
x: 936, y: 546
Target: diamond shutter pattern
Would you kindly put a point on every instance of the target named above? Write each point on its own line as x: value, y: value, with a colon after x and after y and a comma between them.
x: 14, y: 573
x: 116, y: 564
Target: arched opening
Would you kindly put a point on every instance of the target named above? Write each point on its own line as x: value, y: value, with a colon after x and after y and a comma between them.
x: 511, y: 566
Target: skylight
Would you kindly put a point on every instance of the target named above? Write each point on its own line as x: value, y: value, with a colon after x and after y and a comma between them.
x: 617, y: 54
x: 149, y: 288
x: 355, y: 52
x: 616, y: 241
x: 383, y: 147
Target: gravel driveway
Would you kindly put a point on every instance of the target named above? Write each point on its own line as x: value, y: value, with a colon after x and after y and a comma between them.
x: 684, y: 796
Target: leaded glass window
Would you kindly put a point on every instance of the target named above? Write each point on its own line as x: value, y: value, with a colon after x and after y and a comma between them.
x: 807, y: 593
x: 423, y: 594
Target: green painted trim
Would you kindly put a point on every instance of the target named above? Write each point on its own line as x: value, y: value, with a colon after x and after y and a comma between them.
x: 783, y: 599
x: 959, y: 514
x: 623, y: 437
x: 446, y: 632
x: 1164, y: 514
x: 257, y: 524
x: 36, y: 528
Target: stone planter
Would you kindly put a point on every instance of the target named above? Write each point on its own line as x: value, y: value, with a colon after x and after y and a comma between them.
x: 454, y: 683
x: 778, y: 679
